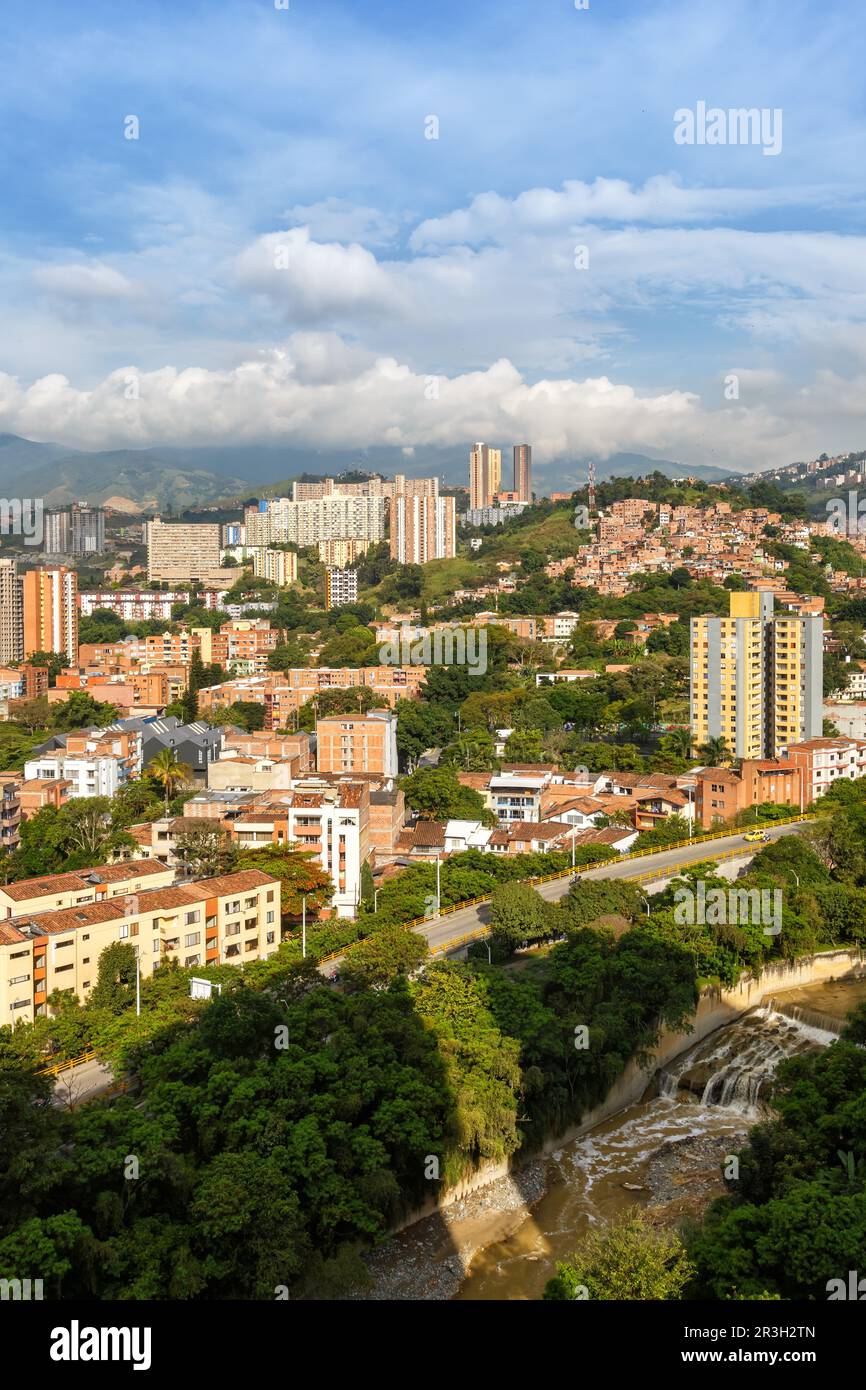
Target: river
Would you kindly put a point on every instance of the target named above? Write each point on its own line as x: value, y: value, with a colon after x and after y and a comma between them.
x: 666, y: 1151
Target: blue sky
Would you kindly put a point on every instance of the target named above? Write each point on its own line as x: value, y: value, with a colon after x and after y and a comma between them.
x: 282, y: 256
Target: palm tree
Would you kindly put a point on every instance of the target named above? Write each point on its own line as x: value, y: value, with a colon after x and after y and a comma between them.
x: 680, y: 741
x: 715, y: 751
x: 171, y: 773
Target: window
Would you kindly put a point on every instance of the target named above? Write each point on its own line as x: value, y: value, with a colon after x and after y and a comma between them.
x: 19, y: 980
x: 192, y: 939
x: 269, y: 917
x: 191, y: 917
x: 124, y: 931
x: 233, y: 928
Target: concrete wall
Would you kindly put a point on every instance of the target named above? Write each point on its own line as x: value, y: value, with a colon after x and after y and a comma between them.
x: 716, y: 1007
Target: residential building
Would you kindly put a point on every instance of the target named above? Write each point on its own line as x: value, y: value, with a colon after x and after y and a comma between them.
x: 282, y: 693
x: 278, y: 519
x: 756, y: 676
x: 522, y: 455
x: 229, y: 919
x: 139, y: 605
x: 56, y: 892
x: 342, y: 554
x: 721, y: 794
x: 51, y: 612
x: 277, y: 566
x: 94, y: 764
x: 485, y: 475
x: 822, y: 761
x: 494, y: 515
x: 184, y: 553
x: 341, y: 587
x: 422, y: 529
x: 358, y: 743
x: 11, y: 612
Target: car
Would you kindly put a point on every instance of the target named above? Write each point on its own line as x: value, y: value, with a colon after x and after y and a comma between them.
x: 757, y: 837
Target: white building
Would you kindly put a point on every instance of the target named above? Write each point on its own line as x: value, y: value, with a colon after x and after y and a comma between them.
x: 341, y: 587
x: 279, y: 519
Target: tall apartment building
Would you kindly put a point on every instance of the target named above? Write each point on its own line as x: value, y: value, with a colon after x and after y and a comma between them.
x: 11, y: 612
x: 485, y: 475
x: 278, y: 519
x: 422, y: 529
x: 341, y: 555
x: 56, y: 944
x: 78, y: 531
x: 180, y: 552
x: 756, y: 677
x: 398, y: 486
x: 522, y: 455
x: 50, y: 603
x: 277, y: 566
x: 366, y: 743
x: 93, y: 764
x: 341, y: 587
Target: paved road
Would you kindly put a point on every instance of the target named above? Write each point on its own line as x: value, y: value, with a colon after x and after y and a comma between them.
x: 80, y: 1083
x: 469, y: 919
x: 92, y: 1078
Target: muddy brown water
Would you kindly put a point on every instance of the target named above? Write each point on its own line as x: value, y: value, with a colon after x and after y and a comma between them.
x: 704, y: 1104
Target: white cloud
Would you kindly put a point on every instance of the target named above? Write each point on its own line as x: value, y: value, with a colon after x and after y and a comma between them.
x: 286, y: 395
x: 83, y: 282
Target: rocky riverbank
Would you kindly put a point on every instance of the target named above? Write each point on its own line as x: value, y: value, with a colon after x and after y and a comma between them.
x: 430, y: 1259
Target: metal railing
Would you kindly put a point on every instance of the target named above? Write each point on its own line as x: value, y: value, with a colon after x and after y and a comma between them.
x: 669, y: 871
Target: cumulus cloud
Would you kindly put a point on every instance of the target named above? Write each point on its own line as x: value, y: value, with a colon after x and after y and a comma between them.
x: 276, y: 397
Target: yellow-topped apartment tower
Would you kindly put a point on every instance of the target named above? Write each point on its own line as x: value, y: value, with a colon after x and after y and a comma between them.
x: 756, y: 677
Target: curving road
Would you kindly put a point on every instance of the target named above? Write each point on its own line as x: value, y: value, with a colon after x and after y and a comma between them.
x: 471, y: 919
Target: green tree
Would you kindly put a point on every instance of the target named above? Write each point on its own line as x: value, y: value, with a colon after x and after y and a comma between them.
x: 172, y: 774
x: 627, y: 1260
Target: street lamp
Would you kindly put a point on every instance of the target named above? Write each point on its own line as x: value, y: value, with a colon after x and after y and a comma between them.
x: 137, y: 981
x: 646, y: 903
x: 438, y: 888
x: 303, y: 927
x: 375, y: 900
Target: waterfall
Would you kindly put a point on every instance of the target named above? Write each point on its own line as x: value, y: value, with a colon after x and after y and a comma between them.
x: 734, y: 1067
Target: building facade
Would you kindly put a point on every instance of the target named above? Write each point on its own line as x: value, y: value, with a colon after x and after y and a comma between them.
x: 363, y: 743
x: 50, y: 601
x: 756, y: 677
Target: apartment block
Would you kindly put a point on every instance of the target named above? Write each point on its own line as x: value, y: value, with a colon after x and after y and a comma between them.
x: 11, y: 612
x: 279, y: 519
x: 423, y: 529
x: 50, y: 598
x: 363, y: 743
x: 183, y: 553
x: 341, y: 555
x: 756, y: 677
x: 94, y: 764
x: 277, y: 566
x: 229, y: 919
x: 485, y: 475
x: 282, y: 693
x: 721, y: 794
x: 328, y: 817
x: 341, y: 587
x: 522, y: 457
x: 822, y: 761
x: 135, y: 605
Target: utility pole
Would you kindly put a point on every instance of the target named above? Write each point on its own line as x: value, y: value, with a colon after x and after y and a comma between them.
x: 137, y: 982
x: 303, y: 928
x: 438, y: 893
